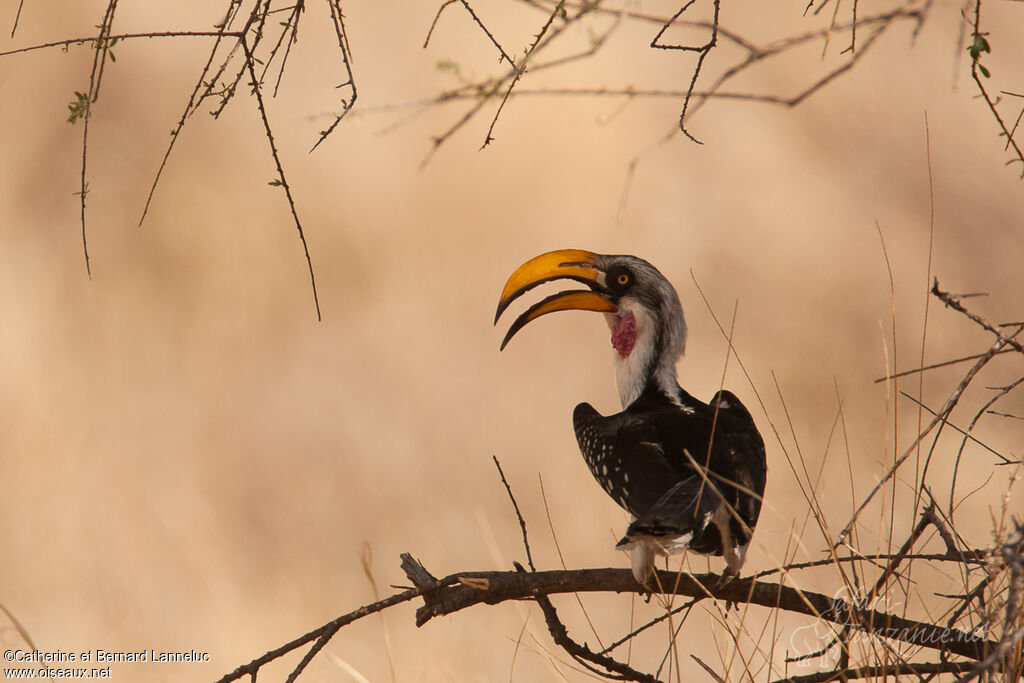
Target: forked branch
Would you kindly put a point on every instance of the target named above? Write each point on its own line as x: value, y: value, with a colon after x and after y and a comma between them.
x: 462, y: 590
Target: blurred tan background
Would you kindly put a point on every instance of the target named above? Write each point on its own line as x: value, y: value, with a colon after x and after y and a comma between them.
x: 191, y: 461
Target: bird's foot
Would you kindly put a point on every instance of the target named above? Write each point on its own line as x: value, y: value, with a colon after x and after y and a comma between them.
x: 727, y: 577
x: 646, y: 592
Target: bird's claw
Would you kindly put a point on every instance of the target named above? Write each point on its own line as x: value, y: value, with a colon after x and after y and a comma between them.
x: 727, y: 577
x: 645, y: 592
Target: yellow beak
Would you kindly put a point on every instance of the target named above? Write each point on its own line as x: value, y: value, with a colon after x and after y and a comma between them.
x: 572, y: 264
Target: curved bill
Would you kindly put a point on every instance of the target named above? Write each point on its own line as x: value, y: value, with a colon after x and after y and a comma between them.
x: 580, y: 300
x: 572, y: 264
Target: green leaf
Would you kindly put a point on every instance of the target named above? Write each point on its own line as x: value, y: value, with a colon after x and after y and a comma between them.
x: 448, y: 65
x: 984, y: 71
x: 979, y: 45
x: 274, y: 183
x: 78, y: 106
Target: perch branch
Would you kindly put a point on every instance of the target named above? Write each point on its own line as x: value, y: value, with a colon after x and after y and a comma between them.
x: 465, y: 589
x: 916, y: 669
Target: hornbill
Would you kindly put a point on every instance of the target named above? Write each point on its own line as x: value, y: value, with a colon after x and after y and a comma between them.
x: 692, y: 474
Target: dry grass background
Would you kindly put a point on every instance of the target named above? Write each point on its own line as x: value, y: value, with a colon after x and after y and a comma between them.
x: 191, y: 461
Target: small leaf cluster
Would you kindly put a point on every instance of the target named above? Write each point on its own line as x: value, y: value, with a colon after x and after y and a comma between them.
x: 978, y: 46
x: 78, y: 106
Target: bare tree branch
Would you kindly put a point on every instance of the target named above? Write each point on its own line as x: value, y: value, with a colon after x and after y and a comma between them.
x: 898, y: 669
x: 465, y: 589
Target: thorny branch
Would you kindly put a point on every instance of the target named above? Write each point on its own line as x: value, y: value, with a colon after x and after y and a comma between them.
x: 281, y: 179
x: 979, y: 46
x: 943, y: 414
x: 520, y: 69
x: 702, y: 52
x: 101, y: 51
x: 750, y: 54
x: 350, y: 81
x: 953, y: 301
x: 229, y: 45
x: 741, y: 56
x: 234, y: 51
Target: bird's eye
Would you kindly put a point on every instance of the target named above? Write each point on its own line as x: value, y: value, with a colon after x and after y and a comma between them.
x: 619, y: 279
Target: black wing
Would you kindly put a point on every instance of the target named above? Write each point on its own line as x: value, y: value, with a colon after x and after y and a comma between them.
x: 743, y: 468
x: 639, y: 457
x: 624, y: 455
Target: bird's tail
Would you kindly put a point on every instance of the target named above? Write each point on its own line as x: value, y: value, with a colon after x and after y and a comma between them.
x: 669, y: 525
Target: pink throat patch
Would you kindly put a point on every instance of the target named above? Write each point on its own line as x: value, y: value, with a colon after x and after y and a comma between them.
x: 624, y: 334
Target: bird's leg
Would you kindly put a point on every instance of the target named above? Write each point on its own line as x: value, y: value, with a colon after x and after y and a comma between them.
x: 734, y: 555
x: 646, y: 586
x: 727, y: 577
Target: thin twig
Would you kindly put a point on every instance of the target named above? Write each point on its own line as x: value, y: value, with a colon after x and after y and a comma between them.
x: 477, y: 21
x: 519, y: 70
x: 249, y: 61
x: 934, y: 366
x: 951, y: 301
x: 331, y: 627
x: 17, y: 16
x: 943, y: 413
x: 189, y: 106
x: 702, y: 52
x: 708, y: 669
x: 561, y: 558
x: 347, y: 104
x: 966, y: 434
x: 519, y: 515
x: 101, y: 46
x: 653, y: 622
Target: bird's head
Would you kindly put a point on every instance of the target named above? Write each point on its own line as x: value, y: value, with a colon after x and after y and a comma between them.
x: 640, y: 305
